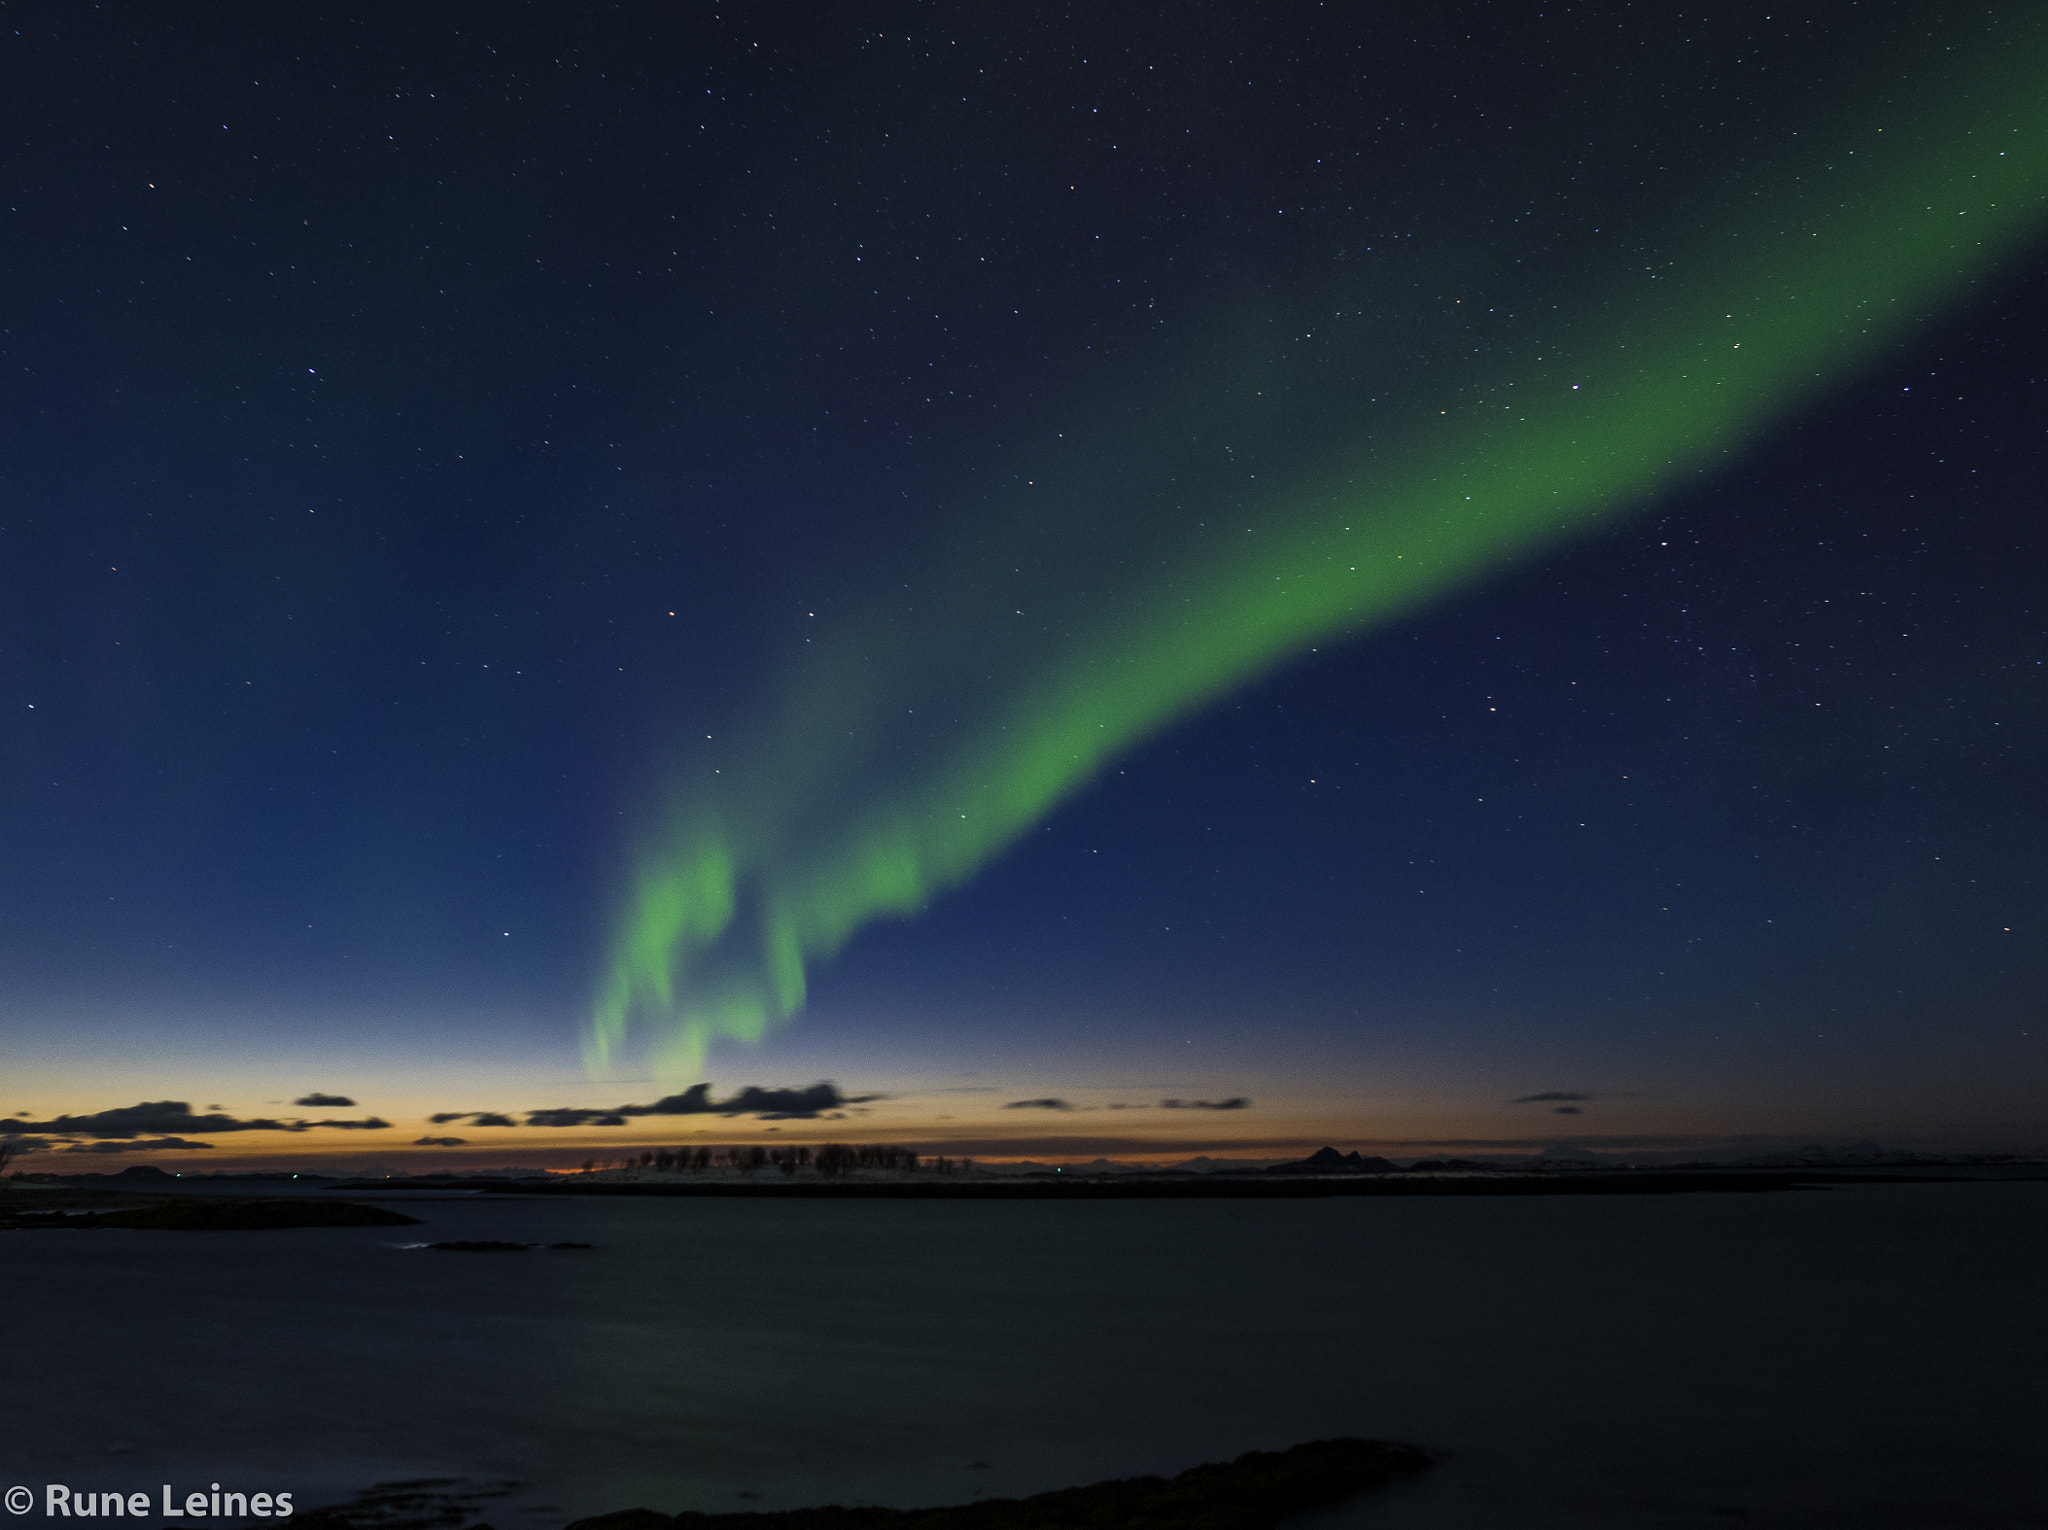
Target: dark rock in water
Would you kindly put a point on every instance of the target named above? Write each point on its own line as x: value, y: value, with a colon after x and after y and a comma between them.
x: 1254, y: 1492
x: 481, y: 1246
x: 210, y: 1214
x: 489, y: 1246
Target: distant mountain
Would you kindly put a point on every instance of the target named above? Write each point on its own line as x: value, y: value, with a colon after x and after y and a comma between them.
x: 1327, y: 1160
x: 1204, y: 1164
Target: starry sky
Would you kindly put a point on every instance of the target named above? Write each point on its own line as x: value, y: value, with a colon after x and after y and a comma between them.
x: 526, y: 532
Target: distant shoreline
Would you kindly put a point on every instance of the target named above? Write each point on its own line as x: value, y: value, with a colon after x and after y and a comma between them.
x: 1209, y: 1188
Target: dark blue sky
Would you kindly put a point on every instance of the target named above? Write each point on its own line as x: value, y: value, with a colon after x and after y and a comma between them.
x: 413, y: 423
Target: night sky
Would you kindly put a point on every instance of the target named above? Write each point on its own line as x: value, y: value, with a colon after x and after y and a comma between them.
x: 535, y: 540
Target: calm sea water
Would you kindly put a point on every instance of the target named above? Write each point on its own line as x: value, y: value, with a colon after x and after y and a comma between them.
x: 1865, y: 1356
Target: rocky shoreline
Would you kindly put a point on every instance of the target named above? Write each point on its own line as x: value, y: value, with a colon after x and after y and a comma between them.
x: 1163, y: 1187
x: 86, y: 1211
x: 1253, y: 1492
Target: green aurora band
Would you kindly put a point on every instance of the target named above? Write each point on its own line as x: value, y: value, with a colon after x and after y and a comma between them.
x: 1127, y: 584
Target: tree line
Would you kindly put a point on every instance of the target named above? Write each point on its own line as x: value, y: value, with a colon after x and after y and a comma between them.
x: 831, y: 1160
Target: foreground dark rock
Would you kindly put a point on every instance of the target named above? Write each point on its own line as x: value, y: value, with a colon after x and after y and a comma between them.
x: 1254, y: 1492
x: 211, y: 1214
x: 424, y: 1503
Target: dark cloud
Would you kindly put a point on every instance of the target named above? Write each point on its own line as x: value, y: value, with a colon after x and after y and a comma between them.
x: 1546, y: 1096
x: 769, y: 1104
x: 128, y: 1121
x: 438, y: 1141
x: 167, y: 1118
x: 1235, y: 1102
x: 1047, y: 1104
x: 693, y: 1101
x: 783, y: 1104
x: 1567, y: 1110
x: 808, y: 1104
x: 443, y: 1117
x: 318, y: 1101
x: 491, y: 1118
x: 569, y: 1115
x: 155, y: 1145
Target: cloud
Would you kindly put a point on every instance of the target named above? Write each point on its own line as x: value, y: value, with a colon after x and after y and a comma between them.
x: 491, y: 1118
x: 807, y: 1104
x: 1546, y: 1096
x: 318, y: 1101
x: 693, y: 1101
x: 1567, y: 1110
x: 155, y: 1145
x: 783, y: 1104
x: 438, y: 1141
x: 769, y: 1104
x: 165, y: 1118
x: 1235, y: 1102
x: 1038, y: 1105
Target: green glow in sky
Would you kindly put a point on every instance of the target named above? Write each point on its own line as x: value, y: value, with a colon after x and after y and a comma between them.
x: 1128, y: 581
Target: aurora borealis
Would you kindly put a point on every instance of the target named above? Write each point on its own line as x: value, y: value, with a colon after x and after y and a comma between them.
x: 1448, y: 575
x: 839, y: 809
